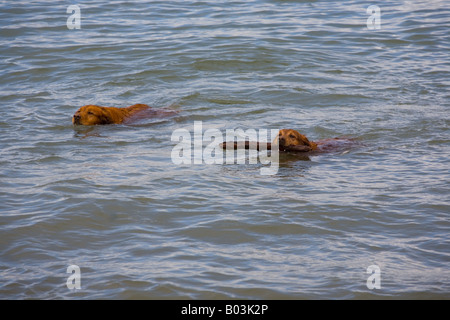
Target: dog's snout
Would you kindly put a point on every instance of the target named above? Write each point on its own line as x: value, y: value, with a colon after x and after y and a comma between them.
x: 76, y: 118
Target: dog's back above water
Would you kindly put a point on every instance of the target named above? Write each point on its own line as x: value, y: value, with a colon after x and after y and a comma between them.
x: 90, y: 115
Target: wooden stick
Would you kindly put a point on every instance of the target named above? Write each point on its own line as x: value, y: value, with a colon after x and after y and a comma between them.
x: 296, y: 149
x: 248, y: 145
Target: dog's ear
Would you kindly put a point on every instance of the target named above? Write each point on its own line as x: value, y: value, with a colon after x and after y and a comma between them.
x: 105, y: 117
x: 304, y: 140
x: 310, y: 144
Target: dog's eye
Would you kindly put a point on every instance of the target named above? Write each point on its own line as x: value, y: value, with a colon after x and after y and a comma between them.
x: 89, y: 112
x: 292, y: 136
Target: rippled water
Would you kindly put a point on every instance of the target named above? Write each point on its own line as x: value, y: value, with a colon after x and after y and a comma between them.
x: 110, y: 200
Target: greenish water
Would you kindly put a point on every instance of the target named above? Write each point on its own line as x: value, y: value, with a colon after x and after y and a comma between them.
x: 110, y: 200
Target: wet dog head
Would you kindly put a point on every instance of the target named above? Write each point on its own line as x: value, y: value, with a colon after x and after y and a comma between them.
x: 291, y: 138
x: 92, y: 115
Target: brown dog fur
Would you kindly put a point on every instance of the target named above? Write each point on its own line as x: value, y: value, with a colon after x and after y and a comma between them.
x: 96, y: 115
x: 290, y: 138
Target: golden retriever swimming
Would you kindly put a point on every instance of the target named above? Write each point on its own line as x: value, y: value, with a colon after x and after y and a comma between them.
x: 90, y: 115
x: 290, y: 140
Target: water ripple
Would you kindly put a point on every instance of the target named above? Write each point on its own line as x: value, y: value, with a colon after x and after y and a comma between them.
x: 110, y: 200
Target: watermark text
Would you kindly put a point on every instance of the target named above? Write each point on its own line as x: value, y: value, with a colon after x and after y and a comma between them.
x: 74, y: 280
x: 374, y: 280
x: 374, y: 21
x: 74, y: 20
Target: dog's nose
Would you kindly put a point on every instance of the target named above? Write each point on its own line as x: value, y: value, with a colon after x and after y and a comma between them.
x: 76, y: 119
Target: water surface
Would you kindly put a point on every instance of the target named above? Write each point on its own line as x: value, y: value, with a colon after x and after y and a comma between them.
x: 110, y: 200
